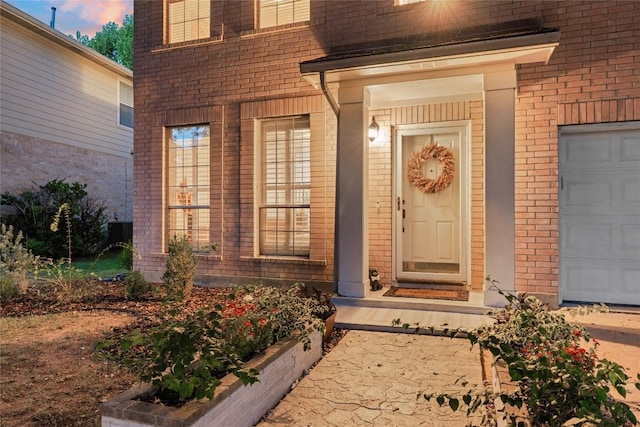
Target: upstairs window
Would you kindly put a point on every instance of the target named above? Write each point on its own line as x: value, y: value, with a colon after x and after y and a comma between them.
x: 284, y: 208
x: 188, y: 20
x: 125, y: 101
x: 401, y: 2
x: 280, y: 12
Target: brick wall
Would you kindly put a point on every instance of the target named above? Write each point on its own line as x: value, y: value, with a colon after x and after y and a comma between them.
x: 592, y: 77
x: 27, y: 162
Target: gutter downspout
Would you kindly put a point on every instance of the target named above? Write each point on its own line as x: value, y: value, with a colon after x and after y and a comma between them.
x: 327, y: 94
x: 336, y: 109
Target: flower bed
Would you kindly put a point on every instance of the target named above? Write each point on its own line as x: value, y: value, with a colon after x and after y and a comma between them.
x: 232, y: 405
x: 191, y: 359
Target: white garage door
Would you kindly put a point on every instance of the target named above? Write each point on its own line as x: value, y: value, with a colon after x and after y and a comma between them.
x: 599, y: 199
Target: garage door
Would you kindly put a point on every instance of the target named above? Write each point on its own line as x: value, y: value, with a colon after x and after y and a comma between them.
x: 599, y: 199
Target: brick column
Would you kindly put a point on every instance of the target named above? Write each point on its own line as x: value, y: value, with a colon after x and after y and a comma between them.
x: 353, y: 170
x: 499, y: 104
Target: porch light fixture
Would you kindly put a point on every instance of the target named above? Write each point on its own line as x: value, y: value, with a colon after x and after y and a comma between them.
x: 373, y: 129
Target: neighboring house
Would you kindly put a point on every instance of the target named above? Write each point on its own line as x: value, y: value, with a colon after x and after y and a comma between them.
x: 250, y: 113
x: 66, y: 113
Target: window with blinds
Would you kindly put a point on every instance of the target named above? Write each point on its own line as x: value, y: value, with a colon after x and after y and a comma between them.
x: 284, y: 211
x: 281, y: 12
x: 125, y: 101
x: 188, y: 184
x: 188, y: 20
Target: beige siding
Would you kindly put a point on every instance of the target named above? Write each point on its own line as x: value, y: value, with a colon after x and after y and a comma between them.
x: 52, y: 93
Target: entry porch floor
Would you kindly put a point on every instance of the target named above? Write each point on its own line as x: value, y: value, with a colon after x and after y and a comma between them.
x: 376, y: 312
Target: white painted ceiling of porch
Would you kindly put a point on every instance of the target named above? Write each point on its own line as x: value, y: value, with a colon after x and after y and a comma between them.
x: 416, y: 92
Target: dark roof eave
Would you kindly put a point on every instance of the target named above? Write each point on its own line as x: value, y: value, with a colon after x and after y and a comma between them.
x: 364, y: 59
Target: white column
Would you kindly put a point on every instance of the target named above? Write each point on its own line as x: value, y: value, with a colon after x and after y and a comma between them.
x: 499, y: 116
x: 353, y: 228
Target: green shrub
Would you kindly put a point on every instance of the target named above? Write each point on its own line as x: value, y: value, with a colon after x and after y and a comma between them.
x: 126, y: 255
x: 15, y: 260
x: 293, y: 308
x: 181, y: 268
x: 8, y: 288
x: 136, y: 286
x: 36, y: 210
x: 561, y: 379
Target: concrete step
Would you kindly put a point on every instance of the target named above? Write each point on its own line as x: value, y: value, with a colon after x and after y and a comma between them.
x: 382, y: 319
x: 377, y: 300
x: 376, y: 312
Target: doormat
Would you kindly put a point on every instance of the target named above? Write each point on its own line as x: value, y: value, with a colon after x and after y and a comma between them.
x: 446, y: 294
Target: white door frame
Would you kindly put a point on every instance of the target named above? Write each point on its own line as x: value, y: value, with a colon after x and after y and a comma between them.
x: 464, y: 163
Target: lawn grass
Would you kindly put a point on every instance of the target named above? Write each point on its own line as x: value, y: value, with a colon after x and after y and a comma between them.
x: 106, y: 265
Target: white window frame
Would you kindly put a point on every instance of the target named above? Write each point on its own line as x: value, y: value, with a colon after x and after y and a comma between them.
x: 189, y: 184
x: 124, y: 102
x: 202, y: 21
x: 278, y: 198
x: 273, y: 13
x: 404, y: 2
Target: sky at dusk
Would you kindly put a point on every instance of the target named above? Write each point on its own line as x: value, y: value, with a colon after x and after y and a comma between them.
x: 86, y: 16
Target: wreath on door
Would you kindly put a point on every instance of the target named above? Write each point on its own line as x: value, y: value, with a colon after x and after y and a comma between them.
x: 443, y: 180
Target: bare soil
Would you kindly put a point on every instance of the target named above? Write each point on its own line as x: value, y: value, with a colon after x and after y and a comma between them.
x: 50, y: 374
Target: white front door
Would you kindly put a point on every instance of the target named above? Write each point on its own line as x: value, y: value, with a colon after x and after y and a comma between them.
x: 431, y: 226
x: 599, y: 199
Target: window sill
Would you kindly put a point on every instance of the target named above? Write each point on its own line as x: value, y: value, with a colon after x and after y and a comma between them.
x: 281, y: 28
x: 187, y: 44
x: 208, y: 256
x: 386, y: 10
x: 201, y: 255
x: 283, y: 260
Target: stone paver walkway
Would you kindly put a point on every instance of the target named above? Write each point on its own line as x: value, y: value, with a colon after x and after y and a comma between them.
x: 373, y: 379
